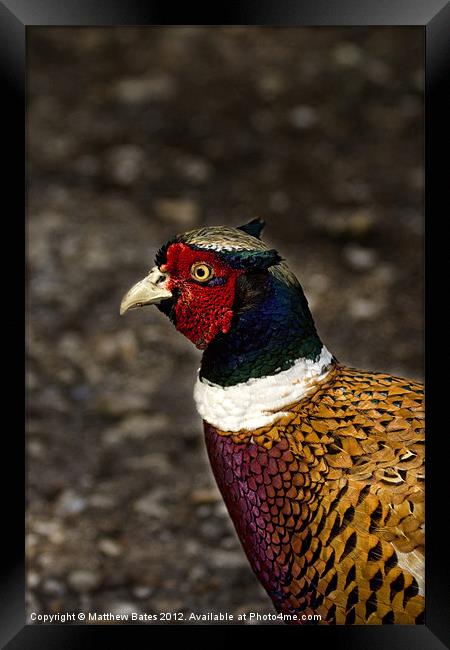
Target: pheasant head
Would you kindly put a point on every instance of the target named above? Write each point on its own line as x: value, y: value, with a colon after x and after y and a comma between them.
x: 233, y: 297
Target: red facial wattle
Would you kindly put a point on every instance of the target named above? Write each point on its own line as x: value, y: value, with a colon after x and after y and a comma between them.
x: 202, y: 310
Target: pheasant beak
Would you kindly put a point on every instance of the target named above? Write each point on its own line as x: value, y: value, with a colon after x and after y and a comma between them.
x: 149, y: 291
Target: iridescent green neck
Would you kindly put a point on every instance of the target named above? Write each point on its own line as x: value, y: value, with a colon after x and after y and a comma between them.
x: 265, y: 339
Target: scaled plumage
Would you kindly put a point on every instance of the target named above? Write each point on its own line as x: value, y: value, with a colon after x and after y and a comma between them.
x: 326, y: 491
x: 328, y: 501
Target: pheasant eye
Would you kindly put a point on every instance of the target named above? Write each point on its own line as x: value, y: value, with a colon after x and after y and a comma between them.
x: 201, y: 272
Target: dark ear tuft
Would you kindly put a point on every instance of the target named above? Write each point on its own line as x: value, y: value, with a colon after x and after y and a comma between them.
x: 253, y: 260
x: 253, y: 227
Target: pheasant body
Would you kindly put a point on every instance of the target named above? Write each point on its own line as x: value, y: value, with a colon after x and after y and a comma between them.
x: 327, y: 499
x: 321, y: 466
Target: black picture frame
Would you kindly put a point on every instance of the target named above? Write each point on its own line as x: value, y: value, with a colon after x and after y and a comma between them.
x: 434, y: 16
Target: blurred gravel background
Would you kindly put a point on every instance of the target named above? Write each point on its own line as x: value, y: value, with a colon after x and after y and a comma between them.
x: 137, y: 134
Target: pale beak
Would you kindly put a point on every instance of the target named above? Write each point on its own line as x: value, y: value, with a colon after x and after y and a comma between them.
x: 149, y: 291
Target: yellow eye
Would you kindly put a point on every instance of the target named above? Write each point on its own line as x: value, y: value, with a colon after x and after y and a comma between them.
x: 201, y: 272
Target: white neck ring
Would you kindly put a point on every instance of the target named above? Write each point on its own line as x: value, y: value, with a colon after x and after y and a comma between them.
x: 259, y: 401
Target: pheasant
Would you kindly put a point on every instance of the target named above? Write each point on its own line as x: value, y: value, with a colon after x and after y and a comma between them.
x: 320, y: 465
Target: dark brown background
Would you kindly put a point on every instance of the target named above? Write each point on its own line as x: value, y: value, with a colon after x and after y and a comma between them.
x: 135, y: 135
